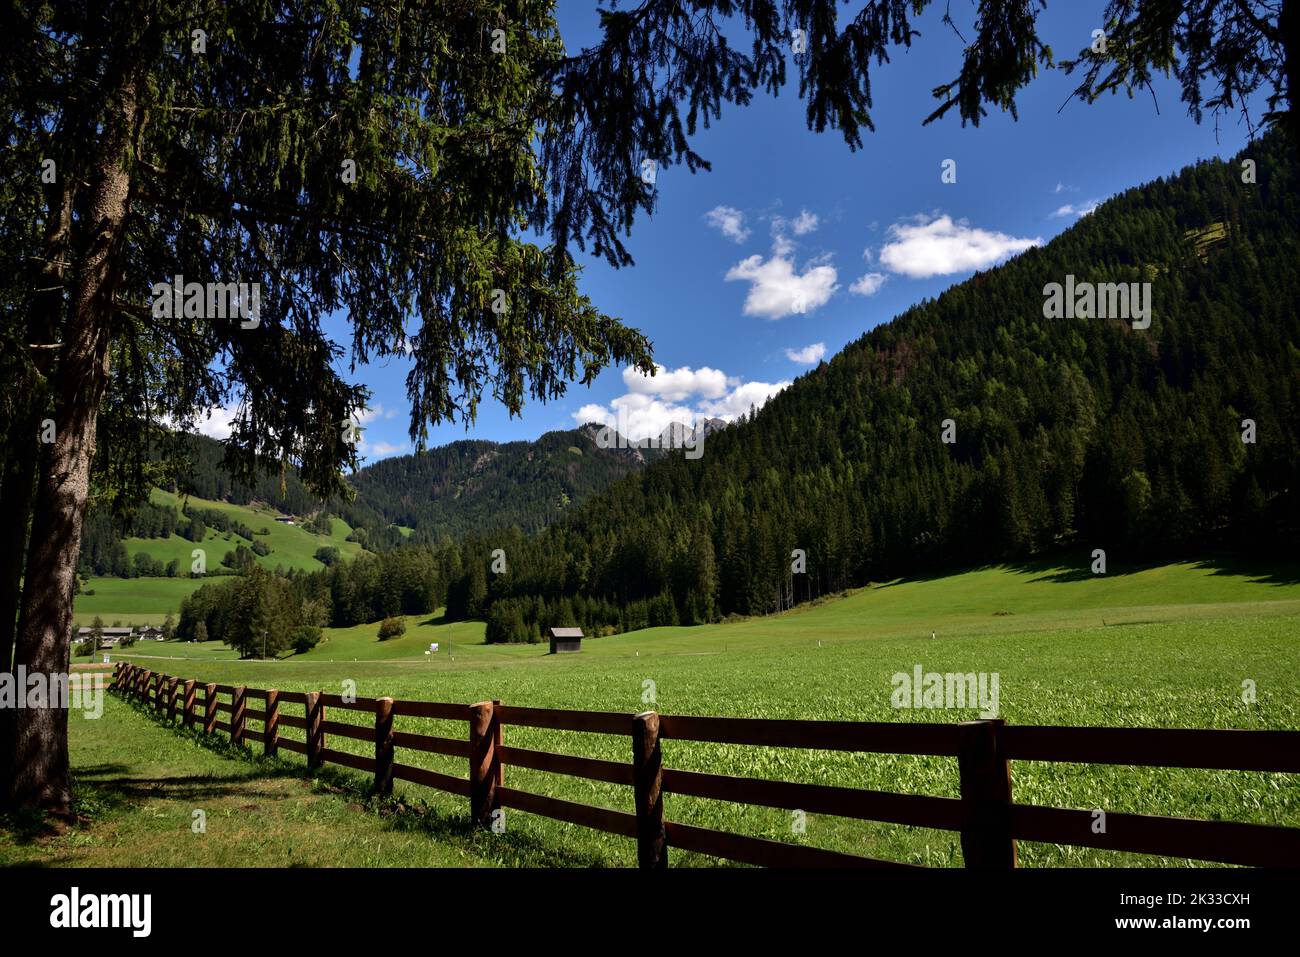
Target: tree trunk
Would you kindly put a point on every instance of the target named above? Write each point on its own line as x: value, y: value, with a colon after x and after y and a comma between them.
x: 21, y: 443
x: 40, y: 772
x: 15, y: 511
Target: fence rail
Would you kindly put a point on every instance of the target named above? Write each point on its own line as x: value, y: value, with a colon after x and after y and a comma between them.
x: 985, y: 815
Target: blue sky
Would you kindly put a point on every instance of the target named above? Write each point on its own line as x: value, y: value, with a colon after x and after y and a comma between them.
x: 746, y: 273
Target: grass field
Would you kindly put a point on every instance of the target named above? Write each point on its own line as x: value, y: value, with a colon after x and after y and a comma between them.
x: 140, y: 784
x: 133, y: 601
x: 1157, y: 647
x: 291, y: 545
x: 147, y: 601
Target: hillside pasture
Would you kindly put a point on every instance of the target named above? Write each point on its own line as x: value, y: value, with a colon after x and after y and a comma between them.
x: 1157, y: 647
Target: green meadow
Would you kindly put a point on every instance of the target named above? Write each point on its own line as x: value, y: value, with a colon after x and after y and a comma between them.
x: 139, y: 785
x: 132, y: 601
x: 1168, y: 646
x: 147, y: 601
x: 291, y: 545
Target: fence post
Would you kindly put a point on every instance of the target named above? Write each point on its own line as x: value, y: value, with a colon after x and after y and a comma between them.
x: 986, y: 839
x: 209, y: 708
x: 315, y: 737
x: 172, y: 687
x: 187, y: 707
x: 271, y: 726
x: 141, y: 677
x: 384, y: 746
x: 158, y: 691
x: 482, y: 763
x: 238, y: 705
x: 647, y: 781
x: 498, y: 738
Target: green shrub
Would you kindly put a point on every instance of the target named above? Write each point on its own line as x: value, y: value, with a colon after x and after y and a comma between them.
x: 305, y: 638
x: 391, y: 628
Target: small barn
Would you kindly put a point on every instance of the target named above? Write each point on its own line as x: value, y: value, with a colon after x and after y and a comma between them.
x: 565, y: 639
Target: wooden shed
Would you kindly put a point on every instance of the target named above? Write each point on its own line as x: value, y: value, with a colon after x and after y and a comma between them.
x: 565, y: 639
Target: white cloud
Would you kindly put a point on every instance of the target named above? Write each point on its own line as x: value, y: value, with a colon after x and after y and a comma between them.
x: 869, y: 284
x: 682, y: 395
x: 369, y: 414
x: 678, y: 384
x: 801, y: 225
x: 370, y: 449
x: 777, y: 289
x: 804, y: 223
x: 379, y: 450
x: 739, y: 400
x: 729, y: 221
x: 941, y: 247
x: 215, y: 422
x: 1080, y: 210
x: 808, y: 355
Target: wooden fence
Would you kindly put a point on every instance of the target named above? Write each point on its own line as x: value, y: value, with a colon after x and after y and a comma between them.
x: 988, y: 820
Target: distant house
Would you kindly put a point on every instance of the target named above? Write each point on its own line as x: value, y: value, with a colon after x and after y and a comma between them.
x: 565, y: 640
x: 109, y: 636
x: 284, y: 519
x: 151, y: 633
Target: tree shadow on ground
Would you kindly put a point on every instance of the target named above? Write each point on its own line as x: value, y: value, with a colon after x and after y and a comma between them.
x: 1074, y: 566
x: 510, y: 849
x: 1259, y: 571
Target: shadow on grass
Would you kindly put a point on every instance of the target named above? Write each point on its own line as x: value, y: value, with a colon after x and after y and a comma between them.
x: 1071, y: 568
x: 510, y: 849
x: 1075, y: 566
x: 27, y: 827
x: 1258, y: 571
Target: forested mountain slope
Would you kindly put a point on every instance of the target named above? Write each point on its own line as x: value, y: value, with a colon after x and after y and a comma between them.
x: 1082, y: 432
x: 462, y: 487
x: 475, y: 486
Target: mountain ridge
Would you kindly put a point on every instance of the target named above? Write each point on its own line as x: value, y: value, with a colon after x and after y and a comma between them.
x: 972, y: 429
